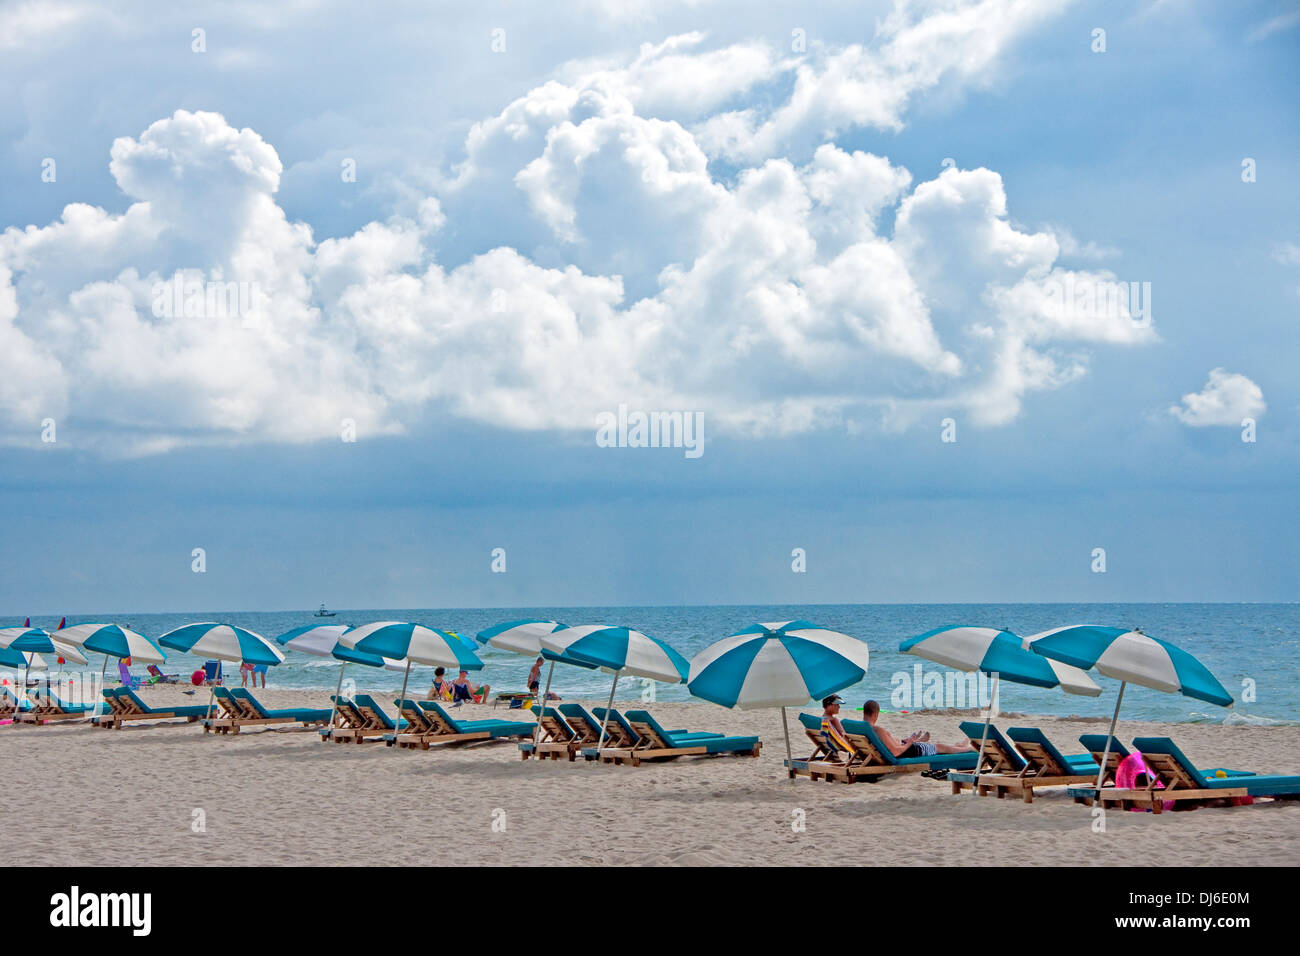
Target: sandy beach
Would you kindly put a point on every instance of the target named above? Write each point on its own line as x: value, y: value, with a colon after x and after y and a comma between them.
x: 84, y: 796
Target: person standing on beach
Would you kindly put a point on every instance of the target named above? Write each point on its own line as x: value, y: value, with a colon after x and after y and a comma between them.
x: 535, y: 676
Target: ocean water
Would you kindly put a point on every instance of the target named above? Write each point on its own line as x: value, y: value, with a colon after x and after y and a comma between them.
x: 1254, y: 649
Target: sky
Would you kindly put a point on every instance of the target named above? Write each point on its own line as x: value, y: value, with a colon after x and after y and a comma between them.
x: 974, y: 300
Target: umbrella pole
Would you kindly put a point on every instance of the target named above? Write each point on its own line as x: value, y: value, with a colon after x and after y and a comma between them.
x: 988, y: 719
x: 789, y: 754
x: 604, y: 724
x: 103, y: 677
x: 397, y: 724
x: 541, y: 706
x: 337, y: 690
x: 1110, y: 735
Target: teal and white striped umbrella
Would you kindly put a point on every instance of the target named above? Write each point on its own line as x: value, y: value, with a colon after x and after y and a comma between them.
x: 525, y: 637
x: 619, y: 650
x: 1133, y: 657
x: 315, y: 639
x: 224, y: 642
x: 997, y: 652
x: 112, y: 640
x: 519, y: 637
x: 33, y: 639
x: 781, y: 664
x: 325, y: 640
x: 1130, y: 657
x: 413, y: 643
x: 784, y: 664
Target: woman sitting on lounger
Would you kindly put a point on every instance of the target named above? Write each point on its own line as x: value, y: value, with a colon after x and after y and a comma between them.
x: 913, y: 745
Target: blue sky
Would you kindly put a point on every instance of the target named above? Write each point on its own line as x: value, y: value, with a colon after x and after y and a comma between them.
x: 677, y: 207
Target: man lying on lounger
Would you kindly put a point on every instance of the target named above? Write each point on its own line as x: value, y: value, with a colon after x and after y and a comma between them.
x: 913, y: 745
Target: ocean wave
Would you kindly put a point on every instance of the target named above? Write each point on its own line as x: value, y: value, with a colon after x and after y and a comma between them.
x: 1236, y: 719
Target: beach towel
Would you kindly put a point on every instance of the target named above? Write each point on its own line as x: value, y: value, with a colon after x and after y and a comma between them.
x: 833, y: 737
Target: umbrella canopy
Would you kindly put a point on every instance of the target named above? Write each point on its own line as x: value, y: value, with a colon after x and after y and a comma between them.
x: 34, y: 639
x: 996, y: 651
x: 24, y: 660
x: 69, y: 653
x: 1133, y: 657
x: 323, y: 640
x: 519, y: 637
x: 224, y: 642
x: 783, y: 664
x: 413, y: 643
x: 113, y: 640
x: 620, y: 650
x: 315, y: 639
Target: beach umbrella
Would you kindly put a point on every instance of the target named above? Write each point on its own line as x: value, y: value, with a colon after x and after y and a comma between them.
x: 323, y: 640
x: 26, y: 639
x: 224, y: 642
x: 783, y: 664
x: 29, y: 642
x: 1001, y: 654
x: 525, y: 637
x: 619, y: 650
x: 413, y: 643
x: 519, y: 637
x: 111, y: 640
x: 1131, y: 657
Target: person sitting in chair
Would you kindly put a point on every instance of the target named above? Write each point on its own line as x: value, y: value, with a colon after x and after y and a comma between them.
x: 913, y: 745
x: 462, y: 690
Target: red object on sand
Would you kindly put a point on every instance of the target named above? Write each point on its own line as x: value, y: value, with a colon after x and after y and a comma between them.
x: 197, y: 678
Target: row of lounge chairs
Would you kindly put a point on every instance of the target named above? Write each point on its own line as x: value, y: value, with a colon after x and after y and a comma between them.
x: 1025, y: 759
x: 1015, y: 764
x: 570, y: 730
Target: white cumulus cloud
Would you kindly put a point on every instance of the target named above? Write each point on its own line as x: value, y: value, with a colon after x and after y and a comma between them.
x: 1226, y: 399
x: 583, y: 254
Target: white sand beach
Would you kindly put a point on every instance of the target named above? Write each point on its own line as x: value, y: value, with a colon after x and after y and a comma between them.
x: 84, y: 796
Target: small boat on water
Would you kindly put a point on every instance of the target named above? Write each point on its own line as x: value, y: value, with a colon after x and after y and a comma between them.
x: 324, y: 613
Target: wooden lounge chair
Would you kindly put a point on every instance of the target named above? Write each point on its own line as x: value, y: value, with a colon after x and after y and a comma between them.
x: 556, y: 738
x: 656, y: 743
x: 241, y: 709
x: 619, y: 735
x: 1095, y: 744
x: 442, y: 728
x: 47, y: 707
x: 354, y: 725
x: 11, y: 708
x: 584, y: 724
x: 1044, y: 766
x: 125, y: 705
x: 1185, y: 783
x: 823, y: 749
x: 372, y: 722
x: 867, y: 758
